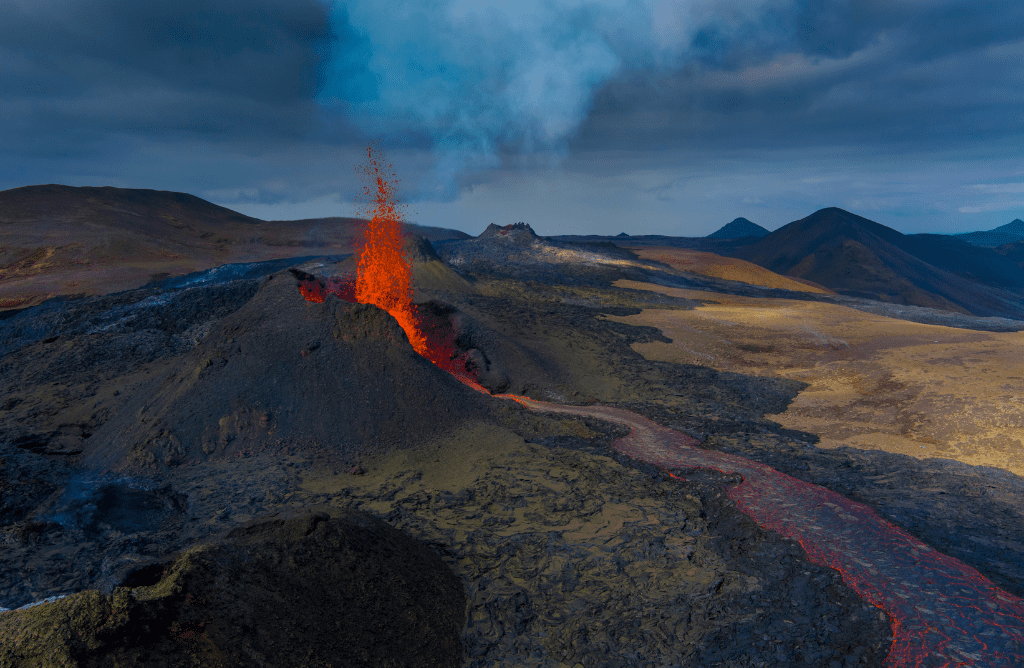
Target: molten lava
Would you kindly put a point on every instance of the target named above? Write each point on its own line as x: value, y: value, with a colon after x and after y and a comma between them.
x: 384, y: 278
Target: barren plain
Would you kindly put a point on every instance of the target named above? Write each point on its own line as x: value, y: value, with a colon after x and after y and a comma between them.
x: 874, y: 383
x: 156, y: 440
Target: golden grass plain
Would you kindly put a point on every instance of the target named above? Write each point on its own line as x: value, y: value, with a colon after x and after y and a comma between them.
x: 875, y: 383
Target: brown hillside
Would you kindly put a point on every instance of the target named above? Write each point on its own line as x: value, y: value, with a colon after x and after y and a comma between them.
x: 727, y: 268
x: 61, y: 240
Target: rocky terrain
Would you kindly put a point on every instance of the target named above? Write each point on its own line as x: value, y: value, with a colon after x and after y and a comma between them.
x: 156, y: 439
x: 60, y: 240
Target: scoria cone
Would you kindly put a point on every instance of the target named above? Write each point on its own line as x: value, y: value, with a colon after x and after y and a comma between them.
x: 282, y: 371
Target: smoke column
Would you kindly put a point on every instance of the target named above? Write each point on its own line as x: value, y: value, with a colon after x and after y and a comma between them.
x: 471, y: 77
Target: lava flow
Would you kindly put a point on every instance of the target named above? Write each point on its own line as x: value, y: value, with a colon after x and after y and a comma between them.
x: 944, y: 613
x: 384, y: 277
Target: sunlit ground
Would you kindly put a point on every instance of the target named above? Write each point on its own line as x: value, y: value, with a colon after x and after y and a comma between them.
x: 875, y: 382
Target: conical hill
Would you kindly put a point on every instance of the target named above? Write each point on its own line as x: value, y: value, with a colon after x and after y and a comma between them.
x: 282, y: 372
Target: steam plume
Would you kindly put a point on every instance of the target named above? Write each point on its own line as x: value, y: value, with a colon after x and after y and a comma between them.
x: 476, y: 76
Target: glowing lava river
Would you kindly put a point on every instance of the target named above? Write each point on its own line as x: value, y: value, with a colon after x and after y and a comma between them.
x: 943, y: 612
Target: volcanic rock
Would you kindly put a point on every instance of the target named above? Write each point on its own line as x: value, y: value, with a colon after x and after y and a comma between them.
x: 498, y: 362
x: 515, y: 251
x: 280, y: 372
x: 430, y: 273
x: 313, y: 591
x: 517, y: 232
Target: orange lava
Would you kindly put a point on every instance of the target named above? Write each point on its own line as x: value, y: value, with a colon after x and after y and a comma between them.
x: 384, y: 277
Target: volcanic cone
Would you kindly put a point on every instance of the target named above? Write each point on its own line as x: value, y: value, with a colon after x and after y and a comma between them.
x: 284, y: 372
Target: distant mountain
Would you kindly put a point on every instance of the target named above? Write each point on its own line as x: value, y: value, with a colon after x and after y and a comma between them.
x: 520, y: 232
x: 1004, y: 234
x: 858, y: 257
x: 1013, y: 252
x: 737, y: 229
x: 60, y: 240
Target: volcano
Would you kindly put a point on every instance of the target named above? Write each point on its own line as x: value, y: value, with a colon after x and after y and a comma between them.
x: 621, y: 525
x: 281, y: 371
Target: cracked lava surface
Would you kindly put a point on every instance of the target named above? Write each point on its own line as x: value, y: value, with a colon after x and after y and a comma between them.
x: 943, y: 612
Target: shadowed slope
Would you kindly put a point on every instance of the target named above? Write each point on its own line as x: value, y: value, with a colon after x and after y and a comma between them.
x: 380, y: 598
x: 861, y: 258
x: 282, y: 371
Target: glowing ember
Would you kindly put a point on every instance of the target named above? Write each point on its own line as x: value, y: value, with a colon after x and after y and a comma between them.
x: 385, y: 275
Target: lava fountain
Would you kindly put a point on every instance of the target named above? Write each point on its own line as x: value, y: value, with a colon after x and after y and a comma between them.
x: 384, y: 274
x: 384, y: 278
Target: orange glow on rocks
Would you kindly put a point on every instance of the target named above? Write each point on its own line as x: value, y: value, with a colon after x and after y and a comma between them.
x: 384, y: 278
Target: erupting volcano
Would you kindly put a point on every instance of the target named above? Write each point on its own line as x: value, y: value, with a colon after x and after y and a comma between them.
x: 384, y: 276
x: 942, y: 612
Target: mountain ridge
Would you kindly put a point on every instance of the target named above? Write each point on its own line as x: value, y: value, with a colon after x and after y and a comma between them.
x: 859, y: 257
x: 68, y: 240
x: 1009, y: 233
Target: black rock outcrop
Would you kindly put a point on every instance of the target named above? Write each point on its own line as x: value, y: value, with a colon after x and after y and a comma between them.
x: 312, y: 591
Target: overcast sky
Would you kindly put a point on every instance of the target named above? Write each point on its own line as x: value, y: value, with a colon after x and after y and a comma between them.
x: 576, y: 116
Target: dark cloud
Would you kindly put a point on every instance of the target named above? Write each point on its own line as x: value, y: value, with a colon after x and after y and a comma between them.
x: 480, y: 85
x: 262, y: 51
x: 77, y: 73
x: 849, y: 74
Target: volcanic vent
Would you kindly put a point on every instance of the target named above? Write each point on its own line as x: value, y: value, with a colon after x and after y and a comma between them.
x: 284, y: 371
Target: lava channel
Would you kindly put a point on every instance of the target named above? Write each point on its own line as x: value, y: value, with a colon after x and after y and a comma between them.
x: 943, y: 612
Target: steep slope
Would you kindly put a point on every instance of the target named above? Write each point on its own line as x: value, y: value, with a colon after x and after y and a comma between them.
x: 282, y: 371
x: 861, y: 258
